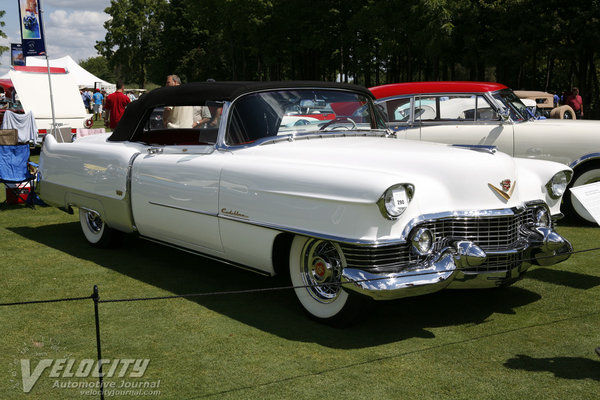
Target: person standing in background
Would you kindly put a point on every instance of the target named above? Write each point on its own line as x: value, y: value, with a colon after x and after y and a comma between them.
x: 180, y: 116
x: 87, y: 99
x: 115, y: 106
x: 97, y: 99
x: 574, y: 100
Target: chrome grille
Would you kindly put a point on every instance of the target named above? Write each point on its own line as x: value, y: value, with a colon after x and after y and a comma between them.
x: 491, y: 233
x: 379, y: 258
x: 497, y: 263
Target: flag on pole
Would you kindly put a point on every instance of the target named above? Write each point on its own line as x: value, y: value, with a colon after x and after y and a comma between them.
x: 32, y: 35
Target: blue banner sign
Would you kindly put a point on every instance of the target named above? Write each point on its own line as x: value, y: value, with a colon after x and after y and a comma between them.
x: 32, y: 35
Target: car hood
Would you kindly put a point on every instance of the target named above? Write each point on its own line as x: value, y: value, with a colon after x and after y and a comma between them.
x: 445, y: 177
x: 568, y: 123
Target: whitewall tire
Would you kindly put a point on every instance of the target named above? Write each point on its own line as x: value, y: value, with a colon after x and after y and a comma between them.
x: 97, y: 233
x: 316, y: 272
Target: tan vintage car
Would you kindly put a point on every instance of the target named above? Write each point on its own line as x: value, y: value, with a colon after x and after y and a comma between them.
x: 544, y: 102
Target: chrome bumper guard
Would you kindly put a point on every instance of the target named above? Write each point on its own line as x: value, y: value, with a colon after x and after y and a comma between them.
x: 452, y: 267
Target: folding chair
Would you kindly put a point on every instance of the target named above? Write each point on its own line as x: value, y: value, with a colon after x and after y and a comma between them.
x: 18, y: 175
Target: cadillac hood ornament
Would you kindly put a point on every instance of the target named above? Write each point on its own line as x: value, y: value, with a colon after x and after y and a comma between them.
x: 507, y: 188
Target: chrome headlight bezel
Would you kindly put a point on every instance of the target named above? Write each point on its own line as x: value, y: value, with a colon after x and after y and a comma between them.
x: 422, y: 241
x: 390, y: 201
x: 542, y: 217
x: 557, y: 186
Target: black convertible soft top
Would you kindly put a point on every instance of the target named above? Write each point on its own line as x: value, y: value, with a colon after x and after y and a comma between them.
x: 199, y: 92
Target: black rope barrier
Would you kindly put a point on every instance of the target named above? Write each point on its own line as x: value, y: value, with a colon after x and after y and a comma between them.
x: 19, y: 303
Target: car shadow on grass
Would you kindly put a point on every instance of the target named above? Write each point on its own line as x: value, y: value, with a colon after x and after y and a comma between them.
x: 565, y: 278
x: 275, y: 310
x: 562, y: 367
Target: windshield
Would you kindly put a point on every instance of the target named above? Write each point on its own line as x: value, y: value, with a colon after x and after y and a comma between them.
x: 302, y: 111
x: 508, y: 100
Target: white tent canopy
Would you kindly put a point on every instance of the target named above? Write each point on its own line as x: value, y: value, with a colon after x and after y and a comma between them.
x: 81, y: 76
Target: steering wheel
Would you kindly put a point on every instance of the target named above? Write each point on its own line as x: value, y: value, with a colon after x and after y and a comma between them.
x: 339, y: 121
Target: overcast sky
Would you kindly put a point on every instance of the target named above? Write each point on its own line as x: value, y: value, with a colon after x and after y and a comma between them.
x: 72, y: 27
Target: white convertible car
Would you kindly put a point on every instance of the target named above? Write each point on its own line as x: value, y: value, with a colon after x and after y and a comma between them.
x: 337, y: 202
x: 485, y: 113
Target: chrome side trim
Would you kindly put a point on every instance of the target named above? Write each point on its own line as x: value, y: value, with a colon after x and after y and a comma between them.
x: 154, y: 203
x: 316, y: 235
x: 582, y: 159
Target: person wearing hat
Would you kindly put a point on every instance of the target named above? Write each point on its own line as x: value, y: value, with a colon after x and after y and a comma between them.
x: 97, y: 98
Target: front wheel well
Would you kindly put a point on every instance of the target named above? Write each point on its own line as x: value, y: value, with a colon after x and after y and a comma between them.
x: 281, y: 253
x: 585, y: 166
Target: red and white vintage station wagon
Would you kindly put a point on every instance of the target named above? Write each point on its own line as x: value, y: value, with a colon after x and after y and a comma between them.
x: 487, y: 113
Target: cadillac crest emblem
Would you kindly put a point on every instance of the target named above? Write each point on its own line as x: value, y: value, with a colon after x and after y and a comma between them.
x: 507, y: 188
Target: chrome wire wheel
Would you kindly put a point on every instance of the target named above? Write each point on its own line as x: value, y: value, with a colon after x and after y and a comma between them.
x: 321, y: 270
x: 94, y: 222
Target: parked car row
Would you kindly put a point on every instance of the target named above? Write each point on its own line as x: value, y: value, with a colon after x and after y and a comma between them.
x: 483, y: 113
x: 306, y: 179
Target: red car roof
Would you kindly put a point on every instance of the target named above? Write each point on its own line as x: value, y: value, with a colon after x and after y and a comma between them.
x: 399, y: 89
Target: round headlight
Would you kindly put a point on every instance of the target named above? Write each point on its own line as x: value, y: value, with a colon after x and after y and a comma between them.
x: 558, y: 184
x: 395, y: 200
x: 422, y: 241
x: 542, y: 218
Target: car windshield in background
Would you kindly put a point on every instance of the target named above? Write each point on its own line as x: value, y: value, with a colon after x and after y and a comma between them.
x: 304, y: 111
x: 509, y: 100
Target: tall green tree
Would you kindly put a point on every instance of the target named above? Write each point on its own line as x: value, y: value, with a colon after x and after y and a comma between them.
x: 131, y: 42
x: 529, y: 44
x: 2, y: 34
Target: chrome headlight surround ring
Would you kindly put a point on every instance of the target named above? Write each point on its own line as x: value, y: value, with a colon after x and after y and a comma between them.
x: 557, y: 186
x: 542, y: 217
x: 390, y: 203
x: 422, y: 241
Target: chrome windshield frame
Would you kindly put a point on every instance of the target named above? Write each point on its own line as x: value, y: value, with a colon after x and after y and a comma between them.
x: 226, y: 117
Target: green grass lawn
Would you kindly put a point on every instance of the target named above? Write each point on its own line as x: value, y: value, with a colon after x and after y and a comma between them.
x: 534, y: 340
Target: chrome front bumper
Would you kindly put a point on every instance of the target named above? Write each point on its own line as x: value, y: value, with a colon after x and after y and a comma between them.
x: 457, y: 266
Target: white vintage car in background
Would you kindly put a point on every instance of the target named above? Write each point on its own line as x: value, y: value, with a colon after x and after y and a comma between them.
x: 485, y: 113
x: 335, y: 200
